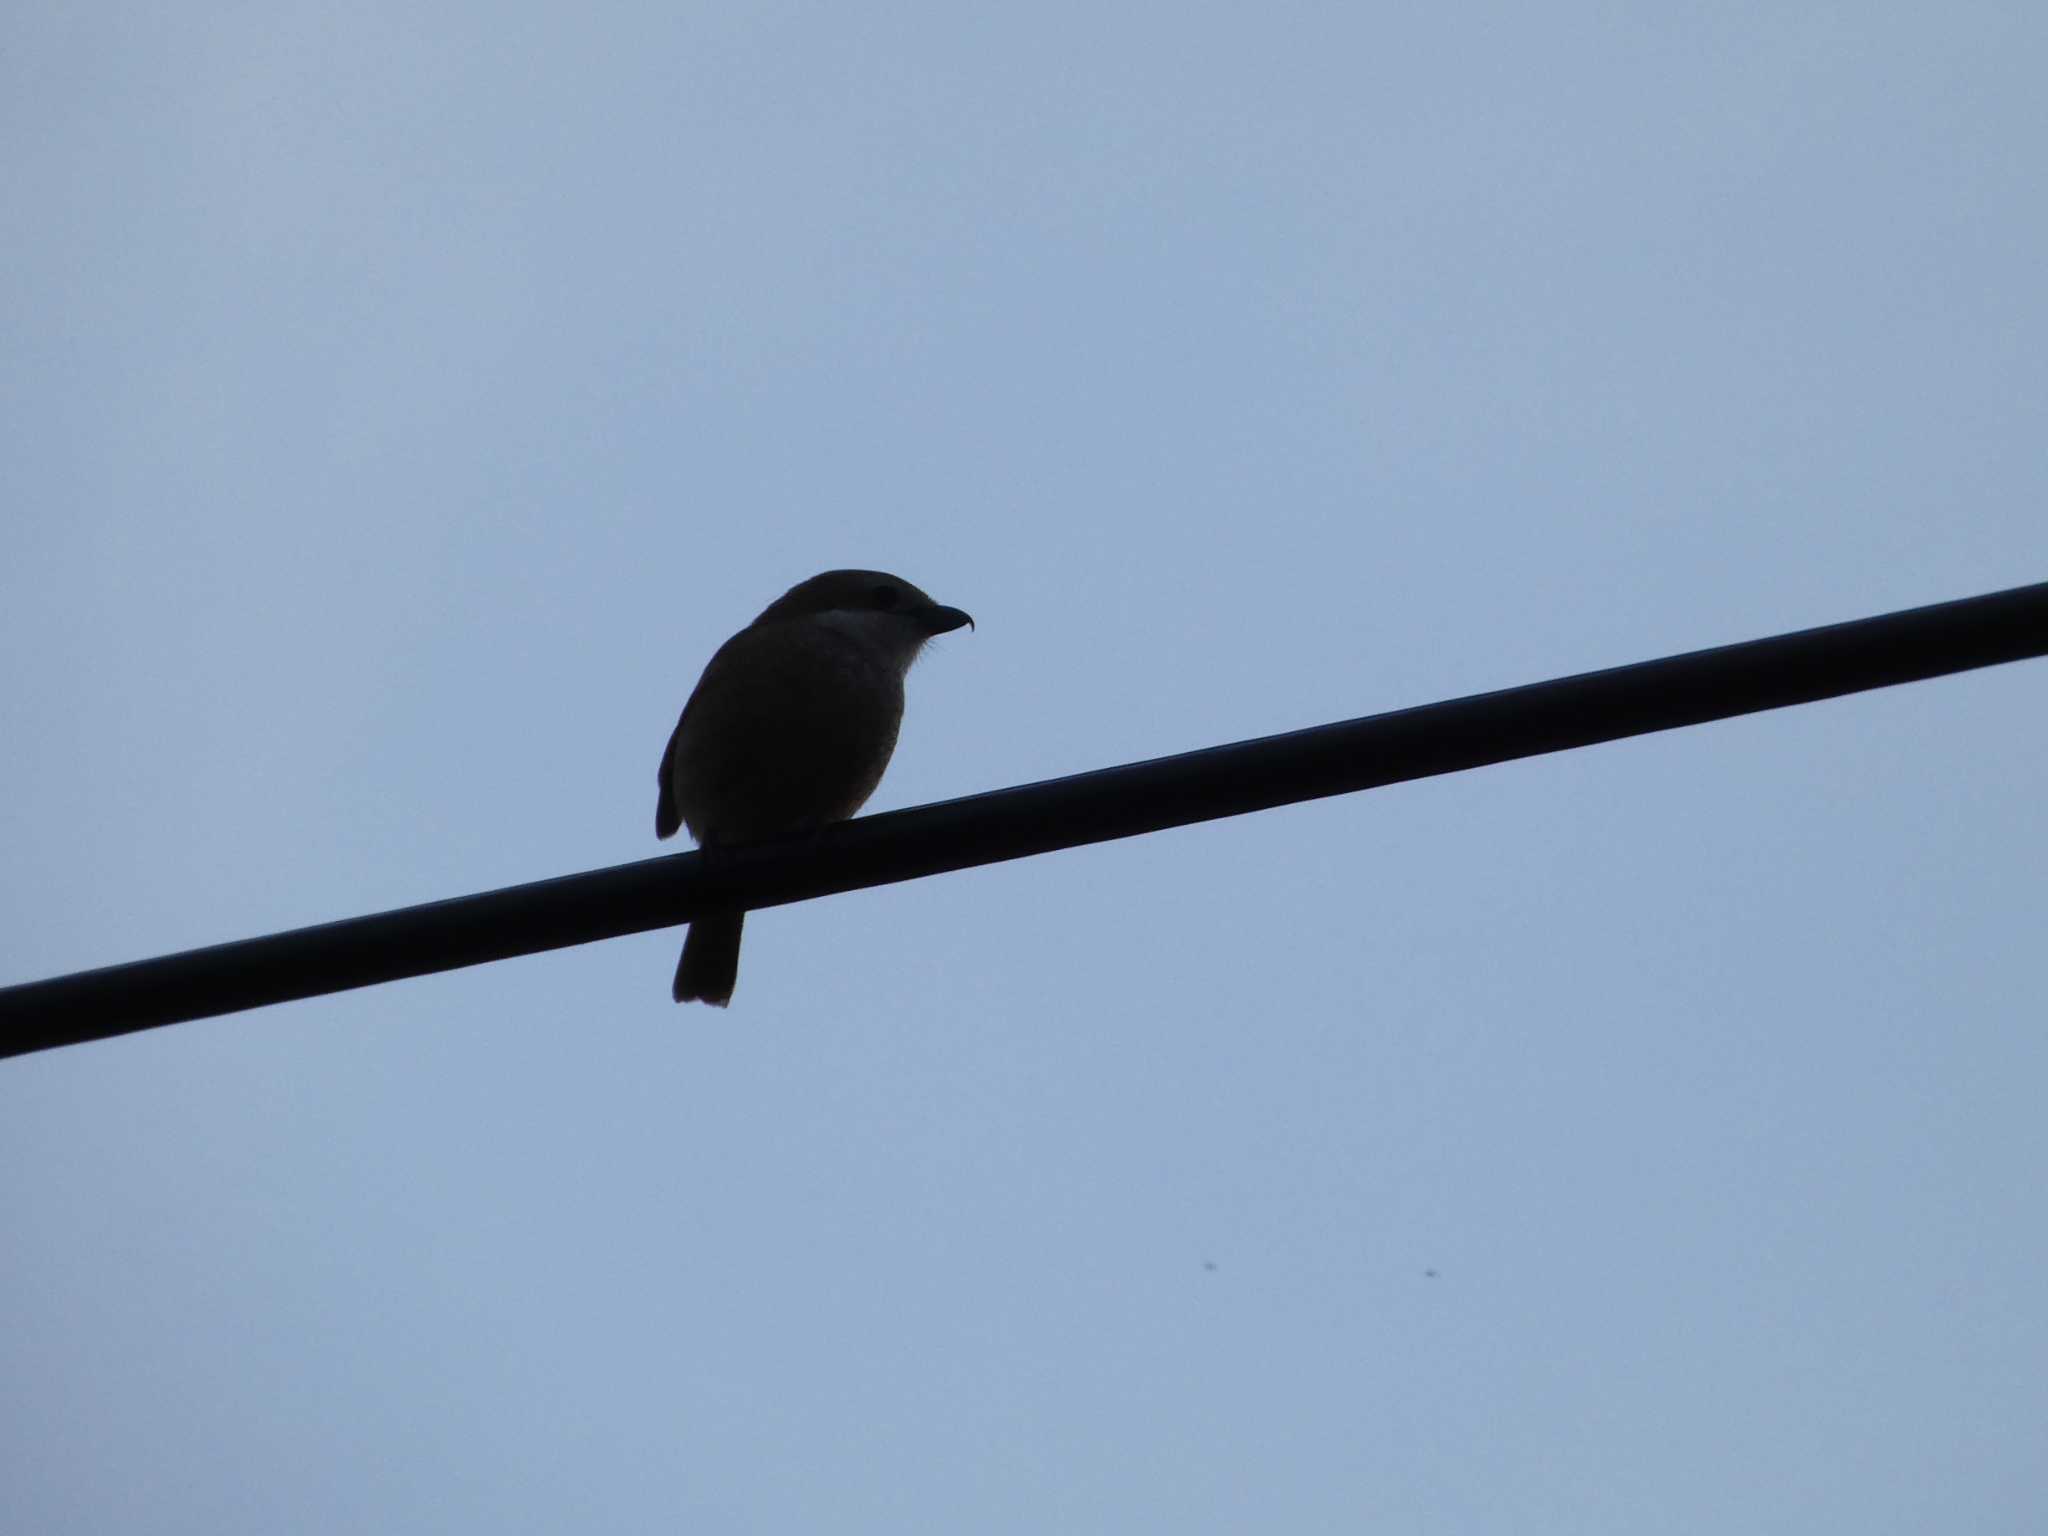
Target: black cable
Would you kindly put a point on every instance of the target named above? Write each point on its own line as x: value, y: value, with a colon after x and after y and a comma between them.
x: 1036, y: 818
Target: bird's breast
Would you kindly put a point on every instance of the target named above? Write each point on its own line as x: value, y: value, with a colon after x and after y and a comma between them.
x: 790, y: 727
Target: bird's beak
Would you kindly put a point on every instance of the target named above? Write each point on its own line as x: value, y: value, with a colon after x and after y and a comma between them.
x: 938, y: 619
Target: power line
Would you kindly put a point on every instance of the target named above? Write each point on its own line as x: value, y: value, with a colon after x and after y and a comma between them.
x: 1351, y: 755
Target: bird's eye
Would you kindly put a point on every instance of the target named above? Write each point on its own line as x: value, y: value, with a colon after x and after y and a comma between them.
x: 886, y: 596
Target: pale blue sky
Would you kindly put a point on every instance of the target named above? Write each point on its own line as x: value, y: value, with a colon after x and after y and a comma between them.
x: 400, y: 403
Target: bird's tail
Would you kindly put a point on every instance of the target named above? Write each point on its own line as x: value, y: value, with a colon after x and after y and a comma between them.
x: 711, y: 959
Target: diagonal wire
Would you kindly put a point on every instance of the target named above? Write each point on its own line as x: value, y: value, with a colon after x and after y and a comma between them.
x: 1554, y: 716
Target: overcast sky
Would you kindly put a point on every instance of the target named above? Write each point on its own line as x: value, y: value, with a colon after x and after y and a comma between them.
x: 401, y: 401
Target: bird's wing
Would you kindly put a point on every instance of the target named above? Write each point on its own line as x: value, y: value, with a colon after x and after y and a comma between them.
x: 668, y: 816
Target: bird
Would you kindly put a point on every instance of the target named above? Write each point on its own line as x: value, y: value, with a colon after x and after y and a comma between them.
x: 789, y: 729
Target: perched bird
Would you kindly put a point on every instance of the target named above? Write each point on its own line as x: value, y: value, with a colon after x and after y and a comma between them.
x: 789, y: 728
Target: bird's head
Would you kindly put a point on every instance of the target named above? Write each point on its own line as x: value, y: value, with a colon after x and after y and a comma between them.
x: 882, y: 609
